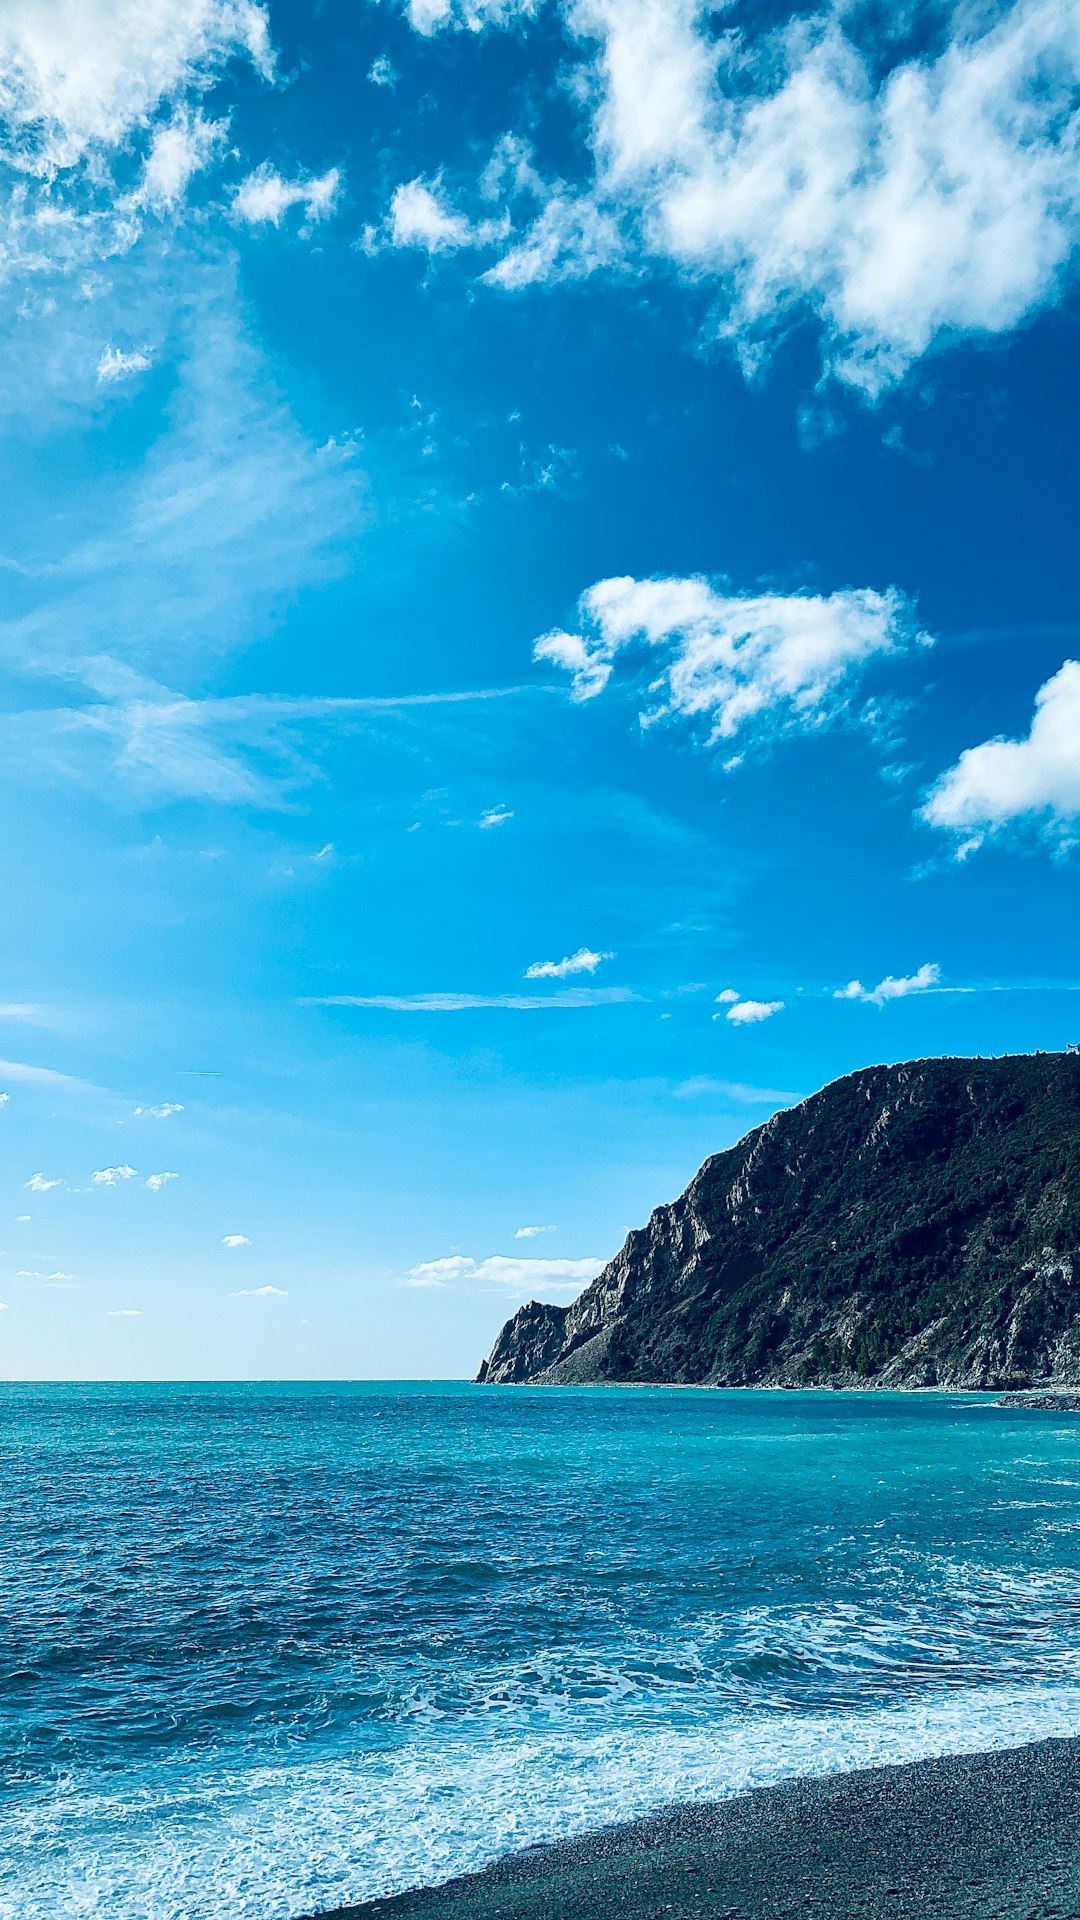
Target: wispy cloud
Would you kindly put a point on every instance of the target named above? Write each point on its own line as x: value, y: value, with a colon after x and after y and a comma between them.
x: 583, y: 961
x: 112, y: 1176
x: 247, y: 749
x: 568, y: 1000
x: 531, y: 1233
x: 124, y: 1313
x: 160, y: 1113
x: 46, y: 1077
x: 703, y: 1086
x: 892, y: 987
x: 117, y: 365
x: 261, y: 1293
x: 39, y: 1183
x: 264, y: 197
x: 156, y: 1181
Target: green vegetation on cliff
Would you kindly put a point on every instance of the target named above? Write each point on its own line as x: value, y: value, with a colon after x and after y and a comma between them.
x: 908, y: 1226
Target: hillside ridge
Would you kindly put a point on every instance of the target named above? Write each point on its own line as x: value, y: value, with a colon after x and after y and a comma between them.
x: 915, y: 1225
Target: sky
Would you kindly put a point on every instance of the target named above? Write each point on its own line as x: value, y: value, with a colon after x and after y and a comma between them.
x: 539, y: 624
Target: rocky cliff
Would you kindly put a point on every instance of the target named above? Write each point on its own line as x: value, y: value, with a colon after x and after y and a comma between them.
x: 908, y: 1226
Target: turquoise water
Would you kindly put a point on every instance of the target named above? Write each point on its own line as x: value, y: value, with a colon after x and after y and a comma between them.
x: 268, y: 1648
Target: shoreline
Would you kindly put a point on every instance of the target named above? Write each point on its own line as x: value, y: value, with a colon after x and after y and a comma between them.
x: 989, y: 1835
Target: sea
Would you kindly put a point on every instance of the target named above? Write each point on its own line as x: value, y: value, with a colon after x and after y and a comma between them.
x: 268, y: 1649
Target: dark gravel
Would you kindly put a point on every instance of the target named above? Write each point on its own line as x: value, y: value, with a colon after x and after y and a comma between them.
x: 990, y: 1835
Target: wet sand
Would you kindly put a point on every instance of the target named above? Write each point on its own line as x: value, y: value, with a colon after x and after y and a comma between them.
x: 990, y: 1835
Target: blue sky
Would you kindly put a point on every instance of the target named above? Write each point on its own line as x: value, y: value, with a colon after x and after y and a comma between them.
x: 539, y: 591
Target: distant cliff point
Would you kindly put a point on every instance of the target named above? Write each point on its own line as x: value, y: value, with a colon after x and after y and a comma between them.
x: 908, y: 1226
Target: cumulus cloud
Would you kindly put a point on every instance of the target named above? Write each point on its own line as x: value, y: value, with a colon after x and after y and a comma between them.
x: 235, y: 1240
x: 818, y: 167
x: 504, y: 1271
x: 76, y: 79
x: 4, y: 1098
x: 382, y: 72
x: 747, y: 1013
x: 1034, y: 780
x: 261, y: 1293
x: 421, y: 215
x: 728, y: 997
x: 893, y: 987
x: 530, y: 1233
x: 111, y: 1176
x: 116, y: 365
x: 571, y: 998
x: 156, y: 1181
x: 583, y: 961
x: 264, y: 198
x: 37, y: 1183
x: 771, y: 661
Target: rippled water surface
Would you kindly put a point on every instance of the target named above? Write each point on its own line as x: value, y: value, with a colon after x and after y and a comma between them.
x: 266, y: 1649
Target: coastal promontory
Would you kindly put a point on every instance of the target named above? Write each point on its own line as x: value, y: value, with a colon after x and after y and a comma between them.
x: 908, y: 1226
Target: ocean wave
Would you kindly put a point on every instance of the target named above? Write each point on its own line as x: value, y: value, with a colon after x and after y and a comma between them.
x: 268, y: 1843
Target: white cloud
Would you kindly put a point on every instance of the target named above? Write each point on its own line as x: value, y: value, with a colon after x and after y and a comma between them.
x: 235, y: 1240
x: 156, y: 1181
x: 22, y: 1219
x: 45, y: 1077
x: 530, y: 1233
x: 84, y: 77
x: 382, y: 72
x: 495, y: 817
x: 702, y: 1086
x: 769, y: 660
x: 892, y: 987
x: 162, y: 1112
x: 501, y: 1270
x: 569, y: 999
x: 426, y: 16
x: 1034, y: 780
x: 261, y: 1293
x: 111, y: 1176
x: 4, y: 1306
x: 29, y: 1273
x: 746, y: 1013
x: 264, y: 198
x: 904, y: 201
x: 583, y: 961
x: 178, y: 151
x: 728, y: 997
x: 421, y: 216
x: 4, y: 1098
x: 124, y: 1313
x: 436, y: 1273
x: 116, y: 365
x: 37, y: 1183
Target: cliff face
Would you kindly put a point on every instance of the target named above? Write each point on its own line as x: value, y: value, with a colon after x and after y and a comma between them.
x: 910, y: 1226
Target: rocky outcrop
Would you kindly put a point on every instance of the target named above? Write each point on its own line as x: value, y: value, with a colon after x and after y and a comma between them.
x: 908, y: 1226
